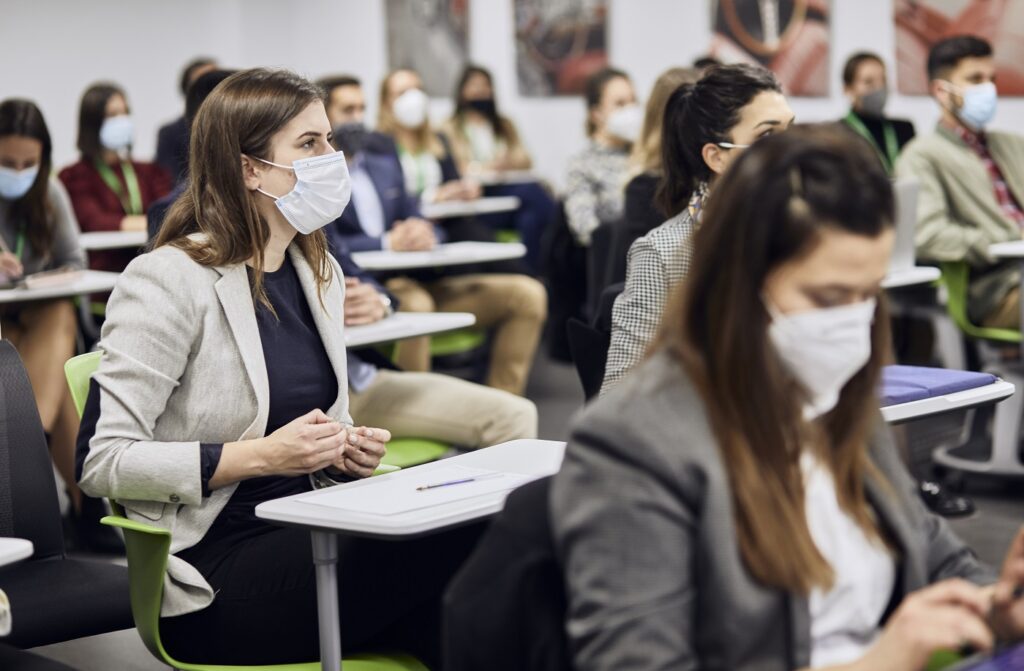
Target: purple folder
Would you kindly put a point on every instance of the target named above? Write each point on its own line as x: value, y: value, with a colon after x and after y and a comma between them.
x: 903, y: 384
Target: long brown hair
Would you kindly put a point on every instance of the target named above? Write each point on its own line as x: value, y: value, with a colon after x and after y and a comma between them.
x: 425, y: 137
x: 646, y: 156
x: 92, y: 110
x: 33, y: 211
x: 770, y: 208
x: 239, y: 117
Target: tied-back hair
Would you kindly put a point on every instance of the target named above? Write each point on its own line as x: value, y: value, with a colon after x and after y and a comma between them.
x: 770, y: 208
x: 91, y: 112
x: 698, y: 114
x: 593, y: 91
x: 33, y: 211
x: 240, y: 117
x: 646, y: 155
x: 425, y: 139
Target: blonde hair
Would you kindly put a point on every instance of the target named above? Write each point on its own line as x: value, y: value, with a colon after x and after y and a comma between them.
x: 646, y: 154
x: 425, y: 139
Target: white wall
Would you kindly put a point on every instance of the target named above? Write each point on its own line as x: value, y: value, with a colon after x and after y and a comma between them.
x: 53, y: 49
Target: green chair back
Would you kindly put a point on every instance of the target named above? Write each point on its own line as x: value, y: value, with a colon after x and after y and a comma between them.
x: 956, y: 277
x: 78, y: 370
x: 406, y: 452
x: 507, y: 235
x: 459, y: 341
x: 147, y: 548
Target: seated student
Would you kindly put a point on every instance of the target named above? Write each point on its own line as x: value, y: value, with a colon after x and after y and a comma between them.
x: 39, y: 233
x: 382, y: 215
x: 109, y: 190
x: 706, y: 126
x: 172, y: 138
x: 972, y: 179
x: 866, y: 86
x: 640, y: 209
x: 485, y: 141
x: 738, y: 504
x: 197, y: 93
x: 223, y: 384
x: 597, y: 175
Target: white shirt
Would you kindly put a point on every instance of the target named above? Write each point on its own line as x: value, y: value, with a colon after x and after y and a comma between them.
x: 844, y: 620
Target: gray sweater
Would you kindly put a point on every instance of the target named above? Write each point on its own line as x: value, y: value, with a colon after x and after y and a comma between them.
x: 65, y: 250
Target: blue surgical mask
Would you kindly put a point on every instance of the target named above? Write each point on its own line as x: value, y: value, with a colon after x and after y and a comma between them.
x: 116, y: 132
x: 15, y: 183
x: 979, y: 104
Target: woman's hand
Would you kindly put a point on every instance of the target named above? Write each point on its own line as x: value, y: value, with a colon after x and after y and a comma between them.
x: 304, y: 445
x: 10, y: 265
x: 949, y: 615
x: 363, y: 451
x: 1007, y: 616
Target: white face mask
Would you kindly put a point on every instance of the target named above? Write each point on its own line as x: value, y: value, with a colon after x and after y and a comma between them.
x: 410, y: 108
x: 626, y: 123
x: 16, y: 183
x: 116, y: 132
x: 823, y: 349
x: 321, y: 193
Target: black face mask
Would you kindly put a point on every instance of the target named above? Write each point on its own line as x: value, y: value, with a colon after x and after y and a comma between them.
x: 351, y: 138
x: 485, y: 106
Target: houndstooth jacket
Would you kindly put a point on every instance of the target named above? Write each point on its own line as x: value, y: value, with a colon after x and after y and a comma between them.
x: 657, y: 263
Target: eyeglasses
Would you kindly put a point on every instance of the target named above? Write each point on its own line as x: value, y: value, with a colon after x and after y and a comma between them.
x: 730, y: 145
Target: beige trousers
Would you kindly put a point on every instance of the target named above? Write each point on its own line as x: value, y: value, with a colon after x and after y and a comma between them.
x: 444, y: 408
x: 44, y: 335
x: 513, y: 307
x: 1007, y: 315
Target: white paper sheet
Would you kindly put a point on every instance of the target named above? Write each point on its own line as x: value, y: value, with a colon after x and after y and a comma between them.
x: 398, y: 494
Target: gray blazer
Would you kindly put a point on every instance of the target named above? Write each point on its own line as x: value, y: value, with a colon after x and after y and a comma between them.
x: 643, y: 522
x: 183, y: 364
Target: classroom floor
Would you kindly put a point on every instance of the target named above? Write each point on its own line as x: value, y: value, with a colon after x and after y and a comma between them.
x: 556, y: 390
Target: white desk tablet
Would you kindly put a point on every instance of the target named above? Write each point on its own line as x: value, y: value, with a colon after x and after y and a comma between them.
x: 402, y: 325
x: 113, y: 240
x: 451, y: 254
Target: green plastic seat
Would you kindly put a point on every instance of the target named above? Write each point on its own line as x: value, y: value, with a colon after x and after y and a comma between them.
x: 406, y: 452
x: 507, y: 235
x: 148, y: 547
x: 459, y: 341
x: 956, y: 277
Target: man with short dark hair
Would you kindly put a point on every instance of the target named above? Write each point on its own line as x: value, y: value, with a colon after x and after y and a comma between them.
x: 172, y: 138
x: 866, y: 86
x: 972, y: 179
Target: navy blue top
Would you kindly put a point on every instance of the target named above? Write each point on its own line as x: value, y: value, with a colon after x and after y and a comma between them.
x: 301, y: 379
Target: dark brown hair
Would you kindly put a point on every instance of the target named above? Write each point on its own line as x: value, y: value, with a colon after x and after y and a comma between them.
x: 946, y: 54
x: 500, y: 129
x: 22, y: 117
x: 593, y: 91
x: 854, y: 62
x: 240, y: 117
x: 91, y: 113
x: 768, y: 209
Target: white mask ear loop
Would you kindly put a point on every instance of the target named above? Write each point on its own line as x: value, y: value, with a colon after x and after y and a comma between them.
x: 276, y: 165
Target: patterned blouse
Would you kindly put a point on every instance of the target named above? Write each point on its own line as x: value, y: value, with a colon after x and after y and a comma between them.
x: 595, y: 189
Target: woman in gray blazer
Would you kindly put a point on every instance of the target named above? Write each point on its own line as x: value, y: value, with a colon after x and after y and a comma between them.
x: 737, y: 503
x: 223, y: 384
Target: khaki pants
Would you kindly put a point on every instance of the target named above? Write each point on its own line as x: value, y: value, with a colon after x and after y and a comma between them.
x: 514, y: 307
x: 444, y: 408
x: 44, y: 335
x: 1007, y: 315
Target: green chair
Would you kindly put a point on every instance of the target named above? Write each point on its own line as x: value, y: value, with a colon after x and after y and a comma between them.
x: 1003, y: 460
x: 406, y: 452
x: 507, y: 235
x: 459, y: 341
x: 148, y: 547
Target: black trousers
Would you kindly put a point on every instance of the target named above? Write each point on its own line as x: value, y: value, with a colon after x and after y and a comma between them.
x: 265, y: 609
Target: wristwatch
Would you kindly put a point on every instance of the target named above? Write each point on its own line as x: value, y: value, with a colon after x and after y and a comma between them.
x: 385, y: 300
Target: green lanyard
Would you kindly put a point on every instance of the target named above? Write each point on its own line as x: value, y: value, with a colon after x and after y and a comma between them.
x: 134, y: 204
x: 421, y: 172
x: 19, y: 245
x: 892, y: 146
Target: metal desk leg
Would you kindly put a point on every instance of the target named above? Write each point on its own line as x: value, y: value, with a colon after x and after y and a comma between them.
x: 325, y: 557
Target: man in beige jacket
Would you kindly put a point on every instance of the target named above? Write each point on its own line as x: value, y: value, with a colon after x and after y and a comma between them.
x: 972, y: 180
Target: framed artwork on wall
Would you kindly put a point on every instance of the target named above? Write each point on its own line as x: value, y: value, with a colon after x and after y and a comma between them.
x: 430, y: 37
x: 559, y: 44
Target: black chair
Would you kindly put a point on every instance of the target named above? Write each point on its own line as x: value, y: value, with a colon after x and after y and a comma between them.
x: 53, y: 597
x: 12, y: 659
x: 505, y: 609
x: 564, y: 268
x: 588, y: 343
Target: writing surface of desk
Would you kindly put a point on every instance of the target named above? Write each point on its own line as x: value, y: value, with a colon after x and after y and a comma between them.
x: 467, y: 208
x: 961, y: 400
x: 911, y: 277
x: 452, y: 254
x: 533, y: 458
x: 14, y: 550
x: 89, y: 282
x: 402, y: 325
x: 505, y: 177
x: 113, y: 240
